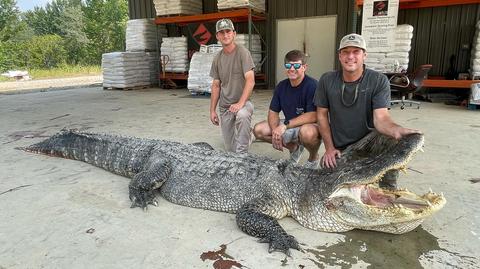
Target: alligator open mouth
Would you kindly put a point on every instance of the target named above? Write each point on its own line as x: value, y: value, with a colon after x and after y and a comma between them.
x: 366, y: 206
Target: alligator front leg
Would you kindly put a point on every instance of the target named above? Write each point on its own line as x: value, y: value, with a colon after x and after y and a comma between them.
x: 143, y: 185
x: 252, y: 221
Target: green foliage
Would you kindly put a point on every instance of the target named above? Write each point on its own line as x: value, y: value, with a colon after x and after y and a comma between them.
x: 9, y: 55
x: 105, y: 27
x: 45, y: 51
x: 9, y: 19
x: 65, y: 71
x: 75, y: 32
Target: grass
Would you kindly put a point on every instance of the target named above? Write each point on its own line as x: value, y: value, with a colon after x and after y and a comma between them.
x: 61, y: 72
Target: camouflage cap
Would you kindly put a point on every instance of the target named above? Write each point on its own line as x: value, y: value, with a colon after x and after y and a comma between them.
x: 224, y: 24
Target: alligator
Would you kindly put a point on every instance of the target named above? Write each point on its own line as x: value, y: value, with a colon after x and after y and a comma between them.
x: 258, y: 189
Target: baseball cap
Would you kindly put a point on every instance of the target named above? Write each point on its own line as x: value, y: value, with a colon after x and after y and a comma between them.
x: 224, y: 24
x: 353, y: 40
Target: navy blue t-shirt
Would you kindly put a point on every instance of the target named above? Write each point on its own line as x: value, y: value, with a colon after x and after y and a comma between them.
x: 294, y: 101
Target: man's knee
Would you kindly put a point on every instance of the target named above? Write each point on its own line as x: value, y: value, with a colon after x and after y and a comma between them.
x: 261, y: 130
x: 309, y: 134
x: 244, y: 114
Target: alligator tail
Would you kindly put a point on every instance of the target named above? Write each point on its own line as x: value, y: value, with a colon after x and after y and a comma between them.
x: 120, y: 155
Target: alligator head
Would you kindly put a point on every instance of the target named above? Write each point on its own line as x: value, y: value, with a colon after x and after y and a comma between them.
x: 349, y: 197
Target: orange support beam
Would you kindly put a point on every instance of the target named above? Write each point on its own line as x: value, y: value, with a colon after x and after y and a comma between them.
x: 409, y: 4
x: 443, y: 83
x: 238, y: 15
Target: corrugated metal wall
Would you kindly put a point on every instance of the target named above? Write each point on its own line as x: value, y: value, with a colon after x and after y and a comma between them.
x: 440, y: 32
x: 284, y: 9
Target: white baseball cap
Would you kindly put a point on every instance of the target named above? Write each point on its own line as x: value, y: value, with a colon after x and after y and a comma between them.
x: 353, y: 40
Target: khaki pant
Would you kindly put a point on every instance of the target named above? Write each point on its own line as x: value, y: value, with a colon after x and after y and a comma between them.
x: 236, y: 128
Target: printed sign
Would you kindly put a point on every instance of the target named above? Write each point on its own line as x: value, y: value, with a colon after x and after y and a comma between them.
x: 378, y: 24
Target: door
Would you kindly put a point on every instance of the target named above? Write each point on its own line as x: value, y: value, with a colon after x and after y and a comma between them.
x: 315, y: 36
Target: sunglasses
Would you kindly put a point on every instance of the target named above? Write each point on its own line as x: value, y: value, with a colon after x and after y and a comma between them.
x: 296, y: 66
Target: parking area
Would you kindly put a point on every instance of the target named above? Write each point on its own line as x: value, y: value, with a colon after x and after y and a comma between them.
x: 57, y: 213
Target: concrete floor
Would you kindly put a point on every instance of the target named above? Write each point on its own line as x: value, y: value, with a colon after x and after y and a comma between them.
x: 57, y: 213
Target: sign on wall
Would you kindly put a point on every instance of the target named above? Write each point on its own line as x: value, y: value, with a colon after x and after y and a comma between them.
x: 378, y: 23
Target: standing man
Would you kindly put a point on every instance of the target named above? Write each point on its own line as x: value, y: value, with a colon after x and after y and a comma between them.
x: 233, y: 81
x: 294, y: 97
x: 352, y: 102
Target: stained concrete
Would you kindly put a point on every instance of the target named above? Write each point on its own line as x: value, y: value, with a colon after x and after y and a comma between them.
x: 57, y: 213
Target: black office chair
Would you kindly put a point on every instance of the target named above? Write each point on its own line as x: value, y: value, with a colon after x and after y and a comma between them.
x: 408, y: 84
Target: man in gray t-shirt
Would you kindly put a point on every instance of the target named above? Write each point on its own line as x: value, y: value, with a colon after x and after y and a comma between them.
x: 353, y: 101
x: 233, y: 81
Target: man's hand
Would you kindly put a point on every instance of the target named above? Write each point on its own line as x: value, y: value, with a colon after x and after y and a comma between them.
x: 329, y: 158
x: 214, y: 118
x: 399, y: 132
x: 236, y: 107
x: 277, y: 139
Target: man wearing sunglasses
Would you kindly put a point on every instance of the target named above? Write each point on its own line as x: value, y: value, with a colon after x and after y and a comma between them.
x: 353, y: 101
x: 294, y: 97
x: 233, y: 81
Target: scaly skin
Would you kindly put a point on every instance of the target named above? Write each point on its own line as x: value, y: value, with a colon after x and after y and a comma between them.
x: 259, y: 190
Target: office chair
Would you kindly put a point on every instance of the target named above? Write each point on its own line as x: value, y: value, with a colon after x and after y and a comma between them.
x: 406, y: 84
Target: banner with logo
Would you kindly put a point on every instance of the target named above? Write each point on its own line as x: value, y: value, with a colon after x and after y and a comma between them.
x: 379, y: 18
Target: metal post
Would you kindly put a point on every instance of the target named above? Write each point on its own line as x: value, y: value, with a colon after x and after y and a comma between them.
x: 353, y: 5
x: 249, y: 29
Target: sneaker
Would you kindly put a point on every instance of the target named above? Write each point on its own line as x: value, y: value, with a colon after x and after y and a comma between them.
x: 296, y: 154
x: 312, y: 164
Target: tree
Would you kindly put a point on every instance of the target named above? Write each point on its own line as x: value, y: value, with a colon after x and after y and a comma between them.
x: 72, y: 30
x: 105, y: 23
x: 9, y: 19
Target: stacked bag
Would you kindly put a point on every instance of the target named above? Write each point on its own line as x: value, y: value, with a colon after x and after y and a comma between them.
x: 255, y: 50
x: 199, y: 80
x: 177, y: 7
x: 395, y: 61
x: 139, y: 65
x: 258, y: 5
x: 475, y: 67
x: 475, y: 54
x: 141, y: 35
x: 125, y: 69
x: 176, y: 49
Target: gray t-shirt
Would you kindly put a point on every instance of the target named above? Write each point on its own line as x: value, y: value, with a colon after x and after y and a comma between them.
x: 350, y: 121
x: 230, y: 69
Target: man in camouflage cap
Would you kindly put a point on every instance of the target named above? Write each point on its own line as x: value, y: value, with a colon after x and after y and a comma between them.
x: 233, y: 80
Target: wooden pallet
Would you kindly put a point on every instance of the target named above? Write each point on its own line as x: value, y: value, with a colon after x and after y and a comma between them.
x: 206, y: 94
x: 127, y: 88
x: 173, y: 15
x: 473, y: 107
x: 255, y: 10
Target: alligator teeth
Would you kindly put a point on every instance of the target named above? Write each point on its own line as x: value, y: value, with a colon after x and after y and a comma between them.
x: 430, y: 190
x: 429, y: 204
x: 421, y: 149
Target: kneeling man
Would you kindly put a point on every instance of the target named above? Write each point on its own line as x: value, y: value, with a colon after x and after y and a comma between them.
x: 294, y: 97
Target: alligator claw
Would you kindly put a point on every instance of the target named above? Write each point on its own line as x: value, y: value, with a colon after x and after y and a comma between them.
x: 142, y: 198
x: 282, y: 243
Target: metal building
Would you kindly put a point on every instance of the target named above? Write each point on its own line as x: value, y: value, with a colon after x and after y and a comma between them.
x: 443, y: 34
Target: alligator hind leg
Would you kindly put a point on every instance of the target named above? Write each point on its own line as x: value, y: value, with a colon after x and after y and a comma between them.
x: 143, y: 185
x: 252, y: 221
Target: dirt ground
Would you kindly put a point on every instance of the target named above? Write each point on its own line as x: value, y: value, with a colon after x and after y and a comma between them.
x: 27, y: 86
x: 57, y: 213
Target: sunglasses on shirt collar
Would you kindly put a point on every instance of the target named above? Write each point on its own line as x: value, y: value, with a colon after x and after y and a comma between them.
x: 296, y: 66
